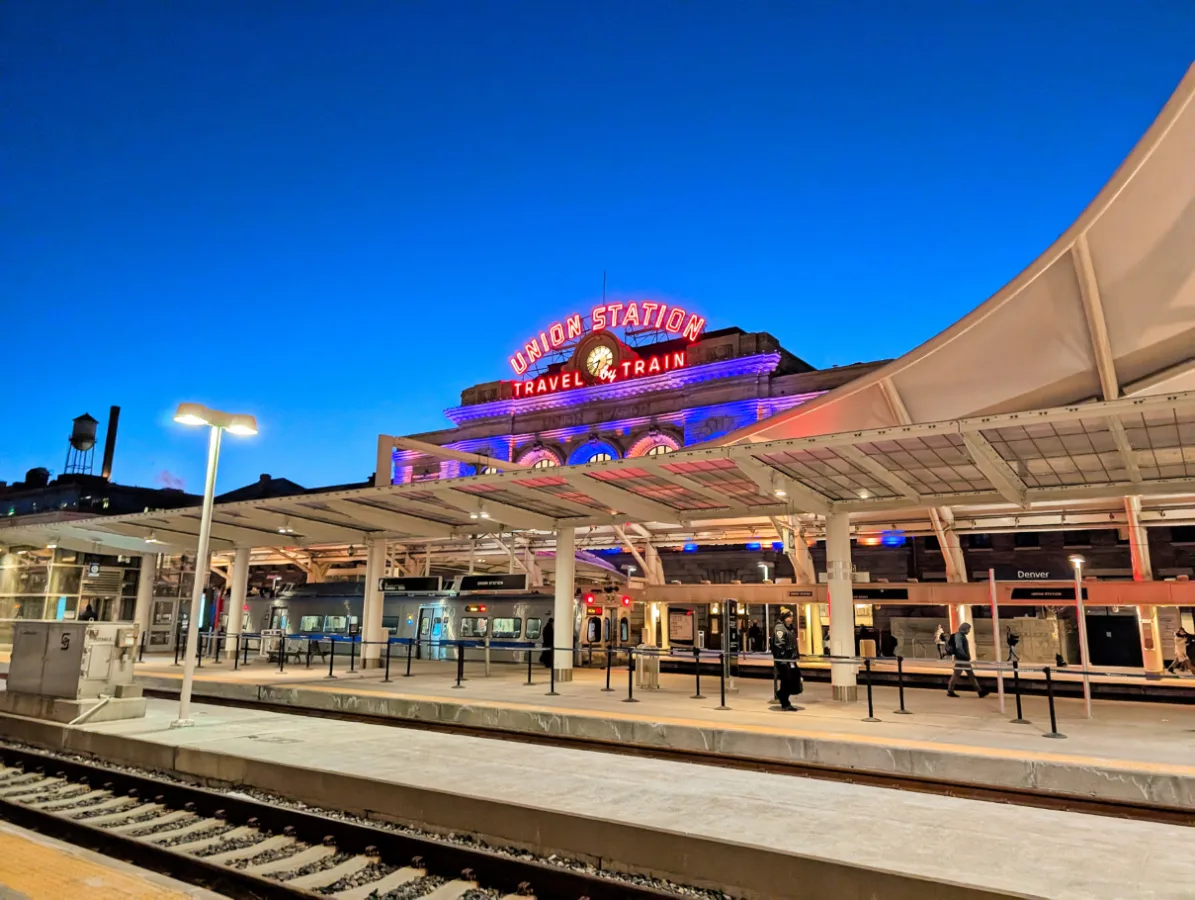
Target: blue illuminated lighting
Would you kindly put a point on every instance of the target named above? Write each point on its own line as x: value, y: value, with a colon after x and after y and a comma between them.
x: 754, y: 545
x: 893, y: 538
x: 778, y: 546
x: 590, y: 449
x: 690, y: 548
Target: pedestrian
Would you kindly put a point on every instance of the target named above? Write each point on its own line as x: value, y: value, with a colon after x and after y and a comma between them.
x: 784, y: 659
x: 755, y: 637
x: 88, y: 614
x: 549, y: 640
x: 940, y: 641
x: 1183, y: 642
x: 960, y: 649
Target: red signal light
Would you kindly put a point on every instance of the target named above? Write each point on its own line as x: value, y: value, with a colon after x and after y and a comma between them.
x: 481, y: 608
x: 626, y: 601
x: 589, y: 599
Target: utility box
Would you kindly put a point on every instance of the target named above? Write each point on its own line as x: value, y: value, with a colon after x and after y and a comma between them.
x: 61, y: 670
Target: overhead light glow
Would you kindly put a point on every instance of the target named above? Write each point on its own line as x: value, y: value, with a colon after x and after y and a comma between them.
x: 780, y: 492
x: 241, y: 424
x: 191, y: 414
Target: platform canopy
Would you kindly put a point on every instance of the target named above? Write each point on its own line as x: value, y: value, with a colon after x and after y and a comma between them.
x: 1107, y: 311
x: 1054, y: 458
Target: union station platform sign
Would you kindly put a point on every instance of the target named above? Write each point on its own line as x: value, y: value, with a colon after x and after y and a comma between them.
x: 596, y: 352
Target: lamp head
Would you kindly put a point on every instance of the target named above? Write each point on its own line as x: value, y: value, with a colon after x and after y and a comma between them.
x: 192, y: 414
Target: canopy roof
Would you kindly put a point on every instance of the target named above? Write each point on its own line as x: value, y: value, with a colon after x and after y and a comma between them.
x: 1108, y: 310
x: 1071, y: 455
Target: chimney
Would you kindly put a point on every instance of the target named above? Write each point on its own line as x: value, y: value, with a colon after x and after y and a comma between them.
x: 110, y: 442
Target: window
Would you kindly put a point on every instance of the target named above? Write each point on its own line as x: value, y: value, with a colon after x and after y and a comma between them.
x: 658, y: 450
x: 624, y: 630
x: 931, y: 542
x: 1025, y: 539
x: 1076, y: 539
x: 533, y: 629
x: 506, y: 628
x: 593, y: 630
x: 474, y: 626
x: 1182, y: 534
x: 545, y: 463
x: 335, y: 624
x: 488, y: 470
x: 979, y: 541
x: 308, y: 624
x: 390, y: 624
x: 600, y: 457
x: 424, y: 625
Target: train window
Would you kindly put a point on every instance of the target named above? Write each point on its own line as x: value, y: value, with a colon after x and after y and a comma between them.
x: 309, y: 623
x: 335, y: 624
x: 474, y: 626
x: 390, y: 623
x: 607, y: 621
x: 424, y: 625
x: 354, y: 625
x: 506, y: 628
x: 533, y: 629
x: 624, y: 630
x: 593, y: 630
x: 436, y: 627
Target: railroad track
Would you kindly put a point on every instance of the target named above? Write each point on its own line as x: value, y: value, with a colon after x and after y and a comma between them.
x: 1139, y: 811
x: 246, y: 848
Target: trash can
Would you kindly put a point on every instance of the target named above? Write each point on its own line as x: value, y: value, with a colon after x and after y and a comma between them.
x: 647, y: 669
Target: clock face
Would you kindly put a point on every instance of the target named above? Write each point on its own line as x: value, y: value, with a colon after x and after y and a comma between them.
x: 599, y: 359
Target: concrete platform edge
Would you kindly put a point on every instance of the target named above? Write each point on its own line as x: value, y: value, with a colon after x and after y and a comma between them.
x: 611, y: 844
x: 1105, y: 782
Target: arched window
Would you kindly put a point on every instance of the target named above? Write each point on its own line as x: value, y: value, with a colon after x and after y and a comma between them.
x: 545, y: 462
x: 541, y: 457
x: 658, y: 450
x: 600, y: 457
x: 654, y: 444
x: 594, y: 450
x: 489, y: 470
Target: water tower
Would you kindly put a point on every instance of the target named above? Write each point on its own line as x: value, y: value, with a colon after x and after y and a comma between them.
x: 81, y: 447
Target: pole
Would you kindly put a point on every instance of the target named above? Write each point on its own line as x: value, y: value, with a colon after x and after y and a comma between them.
x: 900, y: 686
x: 309, y: 640
x: 410, y: 647
x: 141, y: 654
x: 722, y: 680
x: 871, y: 715
x: 1050, y: 698
x: 387, y: 676
x: 530, y: 654
x: 995, y: 637
x: 1016, y: 689
x: 697, y: 667
x: 460, y: 665
x: 198, y: 653
x: 609, y: 666
x: 630, y: 677
x: 552, y: 682
x: 245, y: 661
x: 236, y: 657
x: 1084, y: 656
x: 201, y: 569
x: 331, y: 655
x: 177, y: 646
x: 281, y: 651
x: 352, y: 654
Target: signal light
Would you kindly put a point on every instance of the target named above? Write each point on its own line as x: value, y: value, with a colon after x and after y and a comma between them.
x: 589, y: 599
x: 626, y: 601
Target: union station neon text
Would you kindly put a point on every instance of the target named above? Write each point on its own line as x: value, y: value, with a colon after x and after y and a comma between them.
x: 628, y: 369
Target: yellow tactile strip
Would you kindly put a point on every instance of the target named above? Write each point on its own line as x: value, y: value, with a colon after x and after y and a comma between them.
x: 794, y: 731
x: 38, y: 871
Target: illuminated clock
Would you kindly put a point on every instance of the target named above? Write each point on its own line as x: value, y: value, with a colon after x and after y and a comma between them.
x: 599, y: 359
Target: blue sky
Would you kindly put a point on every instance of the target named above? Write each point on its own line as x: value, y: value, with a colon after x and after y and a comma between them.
x: 337, y: 216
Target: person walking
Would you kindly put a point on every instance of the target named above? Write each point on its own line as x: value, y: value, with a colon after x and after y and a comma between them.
x: 784, y: 658
x: 940, y: 642
x: 960, y: 649
x: 1182, y: 652
x: 549, y: 639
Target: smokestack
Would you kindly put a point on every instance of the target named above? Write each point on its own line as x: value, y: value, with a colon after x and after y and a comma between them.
x: 110, y: 442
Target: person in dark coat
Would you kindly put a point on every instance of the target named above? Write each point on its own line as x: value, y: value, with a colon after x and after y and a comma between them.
x: 755, y: 637
x: 88, y: 614
x: 784, y: 658
x: 962, y: 661
x: 549, y: 641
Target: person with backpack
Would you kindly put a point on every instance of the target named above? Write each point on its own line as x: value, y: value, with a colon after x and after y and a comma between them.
x: 958, y: 647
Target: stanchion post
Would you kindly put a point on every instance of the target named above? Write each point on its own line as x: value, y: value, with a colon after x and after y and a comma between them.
x: 199, y: 652
x: 723, y: 665
x: 460, y: 665
x: 177, y: 642
x: 331, y: 655
x: 236, y: 656
x: 1054, y: 732
x: 871, y: 715
x: 386, y: 678
x: 552, y: 681
x: 245, y: 661
x: 697, y: 667
x: 309, y: 640
x: 630, y: 677
x: 281, y: 651
x: 530, y: 654
x: 900, y: 686
x: 1016, y: 690
x: 141, y: 654
x: 352, y: 654
x: 410, y: 648
x: 609, y: 666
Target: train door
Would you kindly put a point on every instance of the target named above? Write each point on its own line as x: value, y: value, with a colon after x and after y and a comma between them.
x: 279, y: 616
x: 431, y: 630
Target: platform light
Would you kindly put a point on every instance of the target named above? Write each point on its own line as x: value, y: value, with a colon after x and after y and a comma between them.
x: 690, y: 548
x: 780, y: 492
x: 753, y: 545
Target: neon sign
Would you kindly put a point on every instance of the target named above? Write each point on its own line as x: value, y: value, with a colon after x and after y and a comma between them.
x: 624, y: 371
x: 636, y: 314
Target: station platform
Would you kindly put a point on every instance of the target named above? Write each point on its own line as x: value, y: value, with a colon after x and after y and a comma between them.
x: 769, y: 835
x: 1128, y: 753
x: 36, y: 867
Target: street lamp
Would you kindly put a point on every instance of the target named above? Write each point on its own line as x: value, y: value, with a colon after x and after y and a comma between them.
x: 197, y: 414
x: 1076, y: 562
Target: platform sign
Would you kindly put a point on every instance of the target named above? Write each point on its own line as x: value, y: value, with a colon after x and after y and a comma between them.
x: 493, y: 582
x: 410, y: 585
x: 680, y: 626
x: 730, y: 626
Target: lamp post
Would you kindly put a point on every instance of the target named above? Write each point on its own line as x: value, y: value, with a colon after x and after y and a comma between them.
x: 218, y: 422
x: 1081, y: 614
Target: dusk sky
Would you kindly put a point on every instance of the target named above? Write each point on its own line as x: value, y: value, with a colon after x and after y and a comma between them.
x: 336, y: 216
